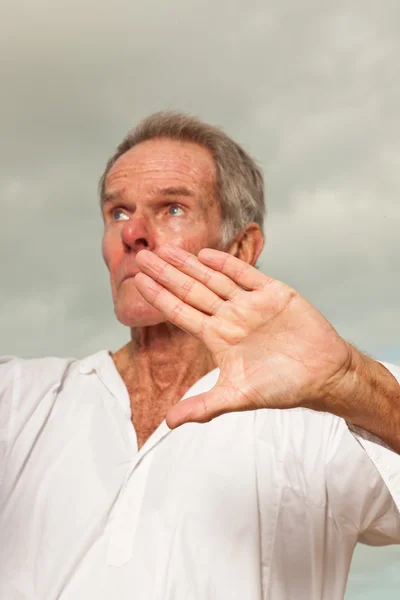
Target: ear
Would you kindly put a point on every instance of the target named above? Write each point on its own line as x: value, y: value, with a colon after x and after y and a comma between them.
x: 248, y: 244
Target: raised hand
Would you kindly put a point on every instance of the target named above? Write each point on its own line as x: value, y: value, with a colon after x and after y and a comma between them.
x: 274, y: 349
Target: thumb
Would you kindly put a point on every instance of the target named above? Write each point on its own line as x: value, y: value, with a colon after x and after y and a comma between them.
x: 201, y: 408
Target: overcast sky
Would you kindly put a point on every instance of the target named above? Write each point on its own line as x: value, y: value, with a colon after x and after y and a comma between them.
x: 313, y: 93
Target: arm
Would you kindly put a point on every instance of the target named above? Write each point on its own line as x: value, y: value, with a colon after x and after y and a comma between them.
x: 274, y: 349
x: 367, y: 396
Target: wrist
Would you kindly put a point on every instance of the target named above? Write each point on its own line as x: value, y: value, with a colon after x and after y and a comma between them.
x: 368, y: 396
x: 343, y: 393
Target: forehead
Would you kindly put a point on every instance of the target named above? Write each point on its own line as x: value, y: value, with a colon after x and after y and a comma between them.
x: 163, y: 162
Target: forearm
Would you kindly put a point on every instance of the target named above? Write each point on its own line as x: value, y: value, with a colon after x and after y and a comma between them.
x: 369, y: 397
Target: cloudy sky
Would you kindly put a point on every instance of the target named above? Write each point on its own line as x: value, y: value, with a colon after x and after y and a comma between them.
x: 312, y: 92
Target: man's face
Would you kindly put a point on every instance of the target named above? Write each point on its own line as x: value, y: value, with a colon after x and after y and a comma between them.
x: 160, y: 191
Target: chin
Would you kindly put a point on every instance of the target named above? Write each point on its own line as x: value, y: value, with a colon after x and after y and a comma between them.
x: 132, y: 310
x: 139, y: 315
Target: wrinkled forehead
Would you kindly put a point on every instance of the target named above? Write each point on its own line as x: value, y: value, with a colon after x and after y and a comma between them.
x: 162, y: 163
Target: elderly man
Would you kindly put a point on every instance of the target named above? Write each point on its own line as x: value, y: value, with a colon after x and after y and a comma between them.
x: 236, y: 448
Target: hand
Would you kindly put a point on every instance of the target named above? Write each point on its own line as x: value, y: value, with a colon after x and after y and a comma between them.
x: 273, y: 348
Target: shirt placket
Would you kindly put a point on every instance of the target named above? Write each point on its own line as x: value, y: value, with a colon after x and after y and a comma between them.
x: 127, y: 510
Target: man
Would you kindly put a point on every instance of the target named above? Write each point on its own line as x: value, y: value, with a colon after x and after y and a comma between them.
x: 101, y: 499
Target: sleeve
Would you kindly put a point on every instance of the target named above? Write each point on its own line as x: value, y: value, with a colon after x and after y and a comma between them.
x: 8, y: 390
x: 386, y: 527
x: 363, y: 479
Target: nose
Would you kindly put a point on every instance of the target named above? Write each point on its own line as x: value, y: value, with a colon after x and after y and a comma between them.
x: 136, y: 234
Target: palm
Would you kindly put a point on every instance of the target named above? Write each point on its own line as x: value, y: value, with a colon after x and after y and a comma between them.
x: 281, y: 355
x: 273, y: 348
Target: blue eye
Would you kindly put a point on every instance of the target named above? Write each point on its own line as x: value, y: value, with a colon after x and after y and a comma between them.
x: 123, y: 217
x: 173, y: 210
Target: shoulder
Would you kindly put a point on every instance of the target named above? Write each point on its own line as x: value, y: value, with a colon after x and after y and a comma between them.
x: 24, y: 383
x: 36, y: 373
x: 27, y: 381
x: 316, y: 446
x: 301, y: 432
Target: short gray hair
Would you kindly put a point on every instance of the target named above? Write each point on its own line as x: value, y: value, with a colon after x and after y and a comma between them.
x: 240, y: 182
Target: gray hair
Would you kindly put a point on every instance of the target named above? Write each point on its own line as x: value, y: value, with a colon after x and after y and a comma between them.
x: 240, y: 182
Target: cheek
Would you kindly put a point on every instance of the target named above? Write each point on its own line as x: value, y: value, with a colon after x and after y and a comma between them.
x: 110, y: 249
x: 203, y: 237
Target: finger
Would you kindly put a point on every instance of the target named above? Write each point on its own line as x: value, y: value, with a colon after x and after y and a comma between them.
x: 191, y: 410
x: 204, y: 407
x: 188, y: 263
x: 178, y: 312
x: 184, y: 287
x: 237, y: 270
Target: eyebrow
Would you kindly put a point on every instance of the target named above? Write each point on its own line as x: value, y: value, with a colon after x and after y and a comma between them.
x: 168, y: 191
x: 108, y: 197
x: 174, y: 191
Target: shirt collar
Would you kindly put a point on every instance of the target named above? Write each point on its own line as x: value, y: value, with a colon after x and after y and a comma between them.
x: 94, y: 362
x: 102, y: 364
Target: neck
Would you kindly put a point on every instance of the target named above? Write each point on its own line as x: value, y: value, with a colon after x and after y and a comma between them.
x: 160, y: 364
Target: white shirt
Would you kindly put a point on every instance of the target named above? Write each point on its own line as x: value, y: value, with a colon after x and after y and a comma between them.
x: 256, y: 505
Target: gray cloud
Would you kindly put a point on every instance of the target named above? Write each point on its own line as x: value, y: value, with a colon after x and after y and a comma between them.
x: 312, y: 93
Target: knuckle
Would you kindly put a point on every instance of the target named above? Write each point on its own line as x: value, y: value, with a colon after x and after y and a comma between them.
x: 207, y: 275
x: 177, y: 312
x: 215, y: 305
x: 162, y: 271
x: 186, y: 288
